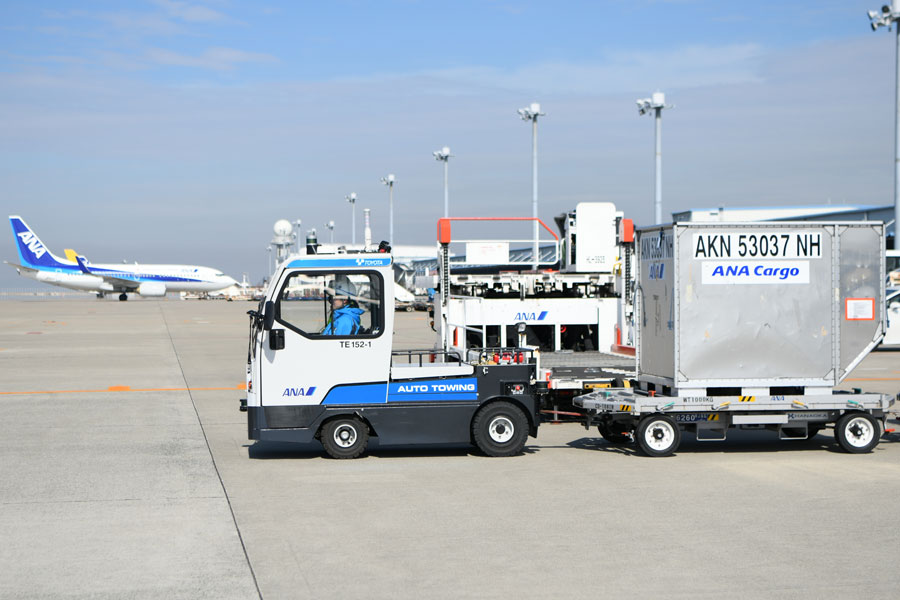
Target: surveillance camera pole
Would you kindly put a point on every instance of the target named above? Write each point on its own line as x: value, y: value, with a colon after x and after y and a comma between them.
x: 532, y: 113
x: 657, y: 102
x: 887, y: 16
x: 444, y: 155
x: 352, y: 200
x: 297, y: 224
x: 389, y: 181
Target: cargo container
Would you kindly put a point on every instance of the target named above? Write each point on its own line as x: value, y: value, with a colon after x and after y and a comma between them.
x: 751, y: 324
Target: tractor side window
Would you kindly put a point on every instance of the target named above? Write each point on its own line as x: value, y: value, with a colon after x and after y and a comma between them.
x: 325, y: 305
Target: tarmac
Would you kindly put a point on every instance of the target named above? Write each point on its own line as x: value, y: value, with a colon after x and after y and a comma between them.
x: 127, y: 473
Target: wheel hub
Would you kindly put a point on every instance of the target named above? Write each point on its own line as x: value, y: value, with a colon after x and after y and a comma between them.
x: 501, y: 430
x: 859, y: 432
x: 660, y: 436
x: 345, y: 436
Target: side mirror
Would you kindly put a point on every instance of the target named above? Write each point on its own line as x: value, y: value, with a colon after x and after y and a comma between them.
x: 268, y: 315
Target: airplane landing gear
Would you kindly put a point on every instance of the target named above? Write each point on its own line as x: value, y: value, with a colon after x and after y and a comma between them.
x: 123, y: 297
x: 101, y: 294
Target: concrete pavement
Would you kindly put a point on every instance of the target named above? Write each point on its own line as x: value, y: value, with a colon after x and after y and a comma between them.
x: 115, y: 494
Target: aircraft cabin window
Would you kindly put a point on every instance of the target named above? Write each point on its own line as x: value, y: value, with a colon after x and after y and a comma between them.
x: 325, y: 305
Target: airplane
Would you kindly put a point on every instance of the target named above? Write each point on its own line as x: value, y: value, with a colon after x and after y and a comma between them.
x: 37, y: 262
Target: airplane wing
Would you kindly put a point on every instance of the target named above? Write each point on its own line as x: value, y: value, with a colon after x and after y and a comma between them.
x: 117, y: 281
x: 20, y: 267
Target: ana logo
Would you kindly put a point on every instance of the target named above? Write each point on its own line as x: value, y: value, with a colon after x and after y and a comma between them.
x: 299, y: 391
x: 34, y: 244
x: 531, y: 316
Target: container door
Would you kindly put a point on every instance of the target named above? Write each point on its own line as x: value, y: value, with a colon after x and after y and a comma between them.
x: 331, y: 328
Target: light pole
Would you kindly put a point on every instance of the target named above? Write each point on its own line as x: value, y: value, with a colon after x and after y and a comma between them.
x: 389, y: 181
x: 532, y: 113
x: 330, y: 226
x: 296, y: 225
x: 352, y: 200
x: 890, y: 15
x: 657, y: 102
x: 444, y: 155
x: 269, y: 272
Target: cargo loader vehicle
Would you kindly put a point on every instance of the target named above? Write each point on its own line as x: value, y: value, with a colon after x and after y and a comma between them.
x: 574, y: 300
x: 750, y: 325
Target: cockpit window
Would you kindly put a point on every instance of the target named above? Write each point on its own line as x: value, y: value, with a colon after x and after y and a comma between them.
x: 328, y: 305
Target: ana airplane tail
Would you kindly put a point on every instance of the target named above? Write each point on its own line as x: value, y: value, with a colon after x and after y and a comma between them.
x: 32, y: 252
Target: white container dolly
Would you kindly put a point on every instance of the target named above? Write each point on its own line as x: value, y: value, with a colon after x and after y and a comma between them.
x: 321, y: 366
x: 750, y: 325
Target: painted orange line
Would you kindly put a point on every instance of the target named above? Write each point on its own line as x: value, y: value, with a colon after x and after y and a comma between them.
x: 126, y: 388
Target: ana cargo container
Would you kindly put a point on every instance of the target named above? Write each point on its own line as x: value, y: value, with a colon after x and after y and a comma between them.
x: 753, y: 325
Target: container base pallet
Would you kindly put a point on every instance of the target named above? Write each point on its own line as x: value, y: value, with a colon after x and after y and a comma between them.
x: 655, y: 422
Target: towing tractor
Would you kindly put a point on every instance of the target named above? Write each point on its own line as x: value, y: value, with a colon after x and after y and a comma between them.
x: 321, y: 367
x: 753, y: 326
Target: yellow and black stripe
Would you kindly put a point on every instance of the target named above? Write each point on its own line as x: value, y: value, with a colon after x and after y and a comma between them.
x: 748, y: 399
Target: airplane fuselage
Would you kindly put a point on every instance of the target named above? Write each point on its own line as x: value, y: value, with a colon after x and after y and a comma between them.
x: 177, y: 278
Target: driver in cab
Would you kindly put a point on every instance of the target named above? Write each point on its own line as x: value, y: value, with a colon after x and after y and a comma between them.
x: 345, y: 311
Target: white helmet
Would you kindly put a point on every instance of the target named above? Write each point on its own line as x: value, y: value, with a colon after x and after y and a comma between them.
x: 343, y: 287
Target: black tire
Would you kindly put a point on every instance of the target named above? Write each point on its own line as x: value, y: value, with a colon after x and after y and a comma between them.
x: 500, y: 429
x: 123, y: 297
x: 344, y: 437
x: 857, y: 432
x: 410, y: 309
x: 613, y: 438
x: 658, y: 435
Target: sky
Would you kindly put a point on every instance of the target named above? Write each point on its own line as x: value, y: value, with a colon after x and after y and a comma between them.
x: 180, y: 131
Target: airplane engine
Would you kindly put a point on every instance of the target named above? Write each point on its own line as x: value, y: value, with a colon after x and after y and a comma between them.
x: 152, y: 289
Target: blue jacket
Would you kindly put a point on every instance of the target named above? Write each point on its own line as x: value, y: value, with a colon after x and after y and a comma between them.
x: 345, y: 321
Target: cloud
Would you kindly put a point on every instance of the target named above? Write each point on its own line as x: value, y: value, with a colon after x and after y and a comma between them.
x: 192, y: 13
x: 141, y: 24
x: 680, y: 68
x: 217, y: 59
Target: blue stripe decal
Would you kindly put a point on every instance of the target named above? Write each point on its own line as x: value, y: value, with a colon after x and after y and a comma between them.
x: 321, y: 263
x: 416, y: 390
x: 373, y: 393
x: 118, y: 274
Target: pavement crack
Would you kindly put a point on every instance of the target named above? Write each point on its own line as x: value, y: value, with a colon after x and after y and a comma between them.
x: 211, y: 456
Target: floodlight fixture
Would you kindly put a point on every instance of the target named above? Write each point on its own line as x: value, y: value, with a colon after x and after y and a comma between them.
x: 330, y: 226
x: 352, y: 200
x: 531, y: 113
x: 890, y: 15
x: 389, y: 181
x: 656, y: 103
x: 444, y: 155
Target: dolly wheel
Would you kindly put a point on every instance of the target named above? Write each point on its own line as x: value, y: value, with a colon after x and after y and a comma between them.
x: 857, y: 433
x: 345, y: 437
x: 606, y: 431
x: 658, y: 435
